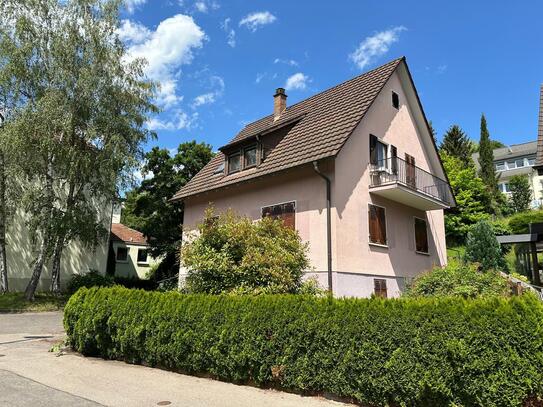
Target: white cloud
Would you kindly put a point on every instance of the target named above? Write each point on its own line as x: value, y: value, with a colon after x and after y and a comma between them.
x: 230, y: 32
x: 259, y: 77
x: 204, y: 99
x: 217, y: 84
x: 441, y: 68
x: 181, y: 120
x: 298, y: 81
x: 132, y: 5
x: 253, y: 21
x: 375, y: 46
x: 201, y: 6
x: 166, y: 49
x: 289, y: 62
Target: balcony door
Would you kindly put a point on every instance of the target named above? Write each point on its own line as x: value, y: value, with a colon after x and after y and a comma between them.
x: 410, y: 173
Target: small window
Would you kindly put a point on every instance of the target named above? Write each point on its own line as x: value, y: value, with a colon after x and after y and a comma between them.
x: 380, y: 287
x: 377, y: 225
x: 285, y: 211
x: 421, y: 236
x: 249, y: 156
x: 122, y: 253
x: 219, y: 169
x: 395, y: 100
x: 531, y: 161
x: 234, y: 163
x: 511, y: 165
x: 500, y: 166
x: 520, y: 163
x: 142, y: 255
x: 504, y: 187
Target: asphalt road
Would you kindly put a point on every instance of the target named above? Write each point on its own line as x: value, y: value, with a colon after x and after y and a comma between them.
x: 31, y: 375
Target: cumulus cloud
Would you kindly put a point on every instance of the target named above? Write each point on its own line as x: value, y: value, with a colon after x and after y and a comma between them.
x: 298, y: 81
x: 217, y: 86
x: 180, y: 120
x: 132, y: 5
x: 255, y: 20
x: 375, y: 46
x: 230, y: 32
x: 166, y: 49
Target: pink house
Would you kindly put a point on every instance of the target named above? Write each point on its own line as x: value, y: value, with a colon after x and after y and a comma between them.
x: 354, y: 169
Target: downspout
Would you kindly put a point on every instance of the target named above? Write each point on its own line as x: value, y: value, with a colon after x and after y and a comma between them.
x: 328, y: 223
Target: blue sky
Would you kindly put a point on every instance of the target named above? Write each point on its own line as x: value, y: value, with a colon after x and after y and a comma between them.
x: 220, y: 61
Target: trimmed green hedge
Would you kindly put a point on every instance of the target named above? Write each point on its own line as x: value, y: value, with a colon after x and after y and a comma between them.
x: 407, y: 352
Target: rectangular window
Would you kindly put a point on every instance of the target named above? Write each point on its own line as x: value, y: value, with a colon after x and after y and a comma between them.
x: 234, y: 163
x: 142, y: 255
x: 122, y: 253
x: 377, y: 225
x: 421, y: 236
x: 500, y: 166
x: 520, y: 163
x: 249, y: 157
x: 380, y: 287
x: 285, y: 211
x: 219, y: 169
x: 511, y: 165
x: 531, y: 161
x: 395, y: 100
x: 504, y: 187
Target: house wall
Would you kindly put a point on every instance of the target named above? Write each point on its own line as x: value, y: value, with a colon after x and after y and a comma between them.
x: 131, y: 268
x: 76, y: 258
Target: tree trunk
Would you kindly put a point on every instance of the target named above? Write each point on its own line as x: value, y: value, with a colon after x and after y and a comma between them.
x: 36, y: 272
x: 55, y: 271
x: 3, y: 213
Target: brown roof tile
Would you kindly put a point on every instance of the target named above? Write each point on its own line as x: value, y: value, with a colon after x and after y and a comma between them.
x: 325, y: 122
x: 539, y: 157
x: 123, y: 233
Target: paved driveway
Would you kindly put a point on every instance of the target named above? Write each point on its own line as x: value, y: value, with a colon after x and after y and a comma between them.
x: 30, y: 375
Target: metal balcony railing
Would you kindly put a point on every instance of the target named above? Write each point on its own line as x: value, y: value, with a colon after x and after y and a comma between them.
x: 394, y: 170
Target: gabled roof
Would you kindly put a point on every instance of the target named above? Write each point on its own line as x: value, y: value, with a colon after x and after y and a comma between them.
x: 512, y: 151
x: 122, y: 233
x: 539, y: 158
x: 324, y: 122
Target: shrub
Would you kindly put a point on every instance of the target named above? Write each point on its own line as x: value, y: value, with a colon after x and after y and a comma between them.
x: 519, y: 222
x: 91, y: 279
x: 233, y: 253
x: 135, y: 282
x: 406, y: 352
x: 521, y: 193
x: 457, y: 279
x: 482, y: 247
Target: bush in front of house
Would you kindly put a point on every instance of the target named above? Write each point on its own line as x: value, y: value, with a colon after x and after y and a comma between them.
x: 458, y: 279
x: 403, y: 352
x: 231, y: 253
x: 483, y: 248
x: 91, y: 279
x: 519, y: 222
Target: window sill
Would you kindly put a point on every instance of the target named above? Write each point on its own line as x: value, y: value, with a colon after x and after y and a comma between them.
x: 423, y: 253
x: 121, y: 261
x: 378, y: 245
x: 143, y: 263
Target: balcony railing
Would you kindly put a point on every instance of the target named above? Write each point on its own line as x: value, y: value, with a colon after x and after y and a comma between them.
x: 394, y: 170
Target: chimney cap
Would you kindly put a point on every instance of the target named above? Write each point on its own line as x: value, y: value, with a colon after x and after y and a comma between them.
x: 280, y: 91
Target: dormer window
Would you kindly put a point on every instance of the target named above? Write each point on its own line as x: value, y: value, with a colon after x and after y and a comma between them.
x: 249, y: 157
x: 234, y: 163
x: 219, y: 169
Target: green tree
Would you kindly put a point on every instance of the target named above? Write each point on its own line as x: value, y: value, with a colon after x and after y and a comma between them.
x: 521, y: 193
x: 456, y: 143
x: 482, y: 247
x: 81, y: 118
x: 234, y: 254
x: 471, y: 197
x: 488, y: 170
x: 148, y: 207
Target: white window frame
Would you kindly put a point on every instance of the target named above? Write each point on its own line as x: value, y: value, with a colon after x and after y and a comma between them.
x: 388, y: 156
x: 415, y: 235
x: 386, y: 227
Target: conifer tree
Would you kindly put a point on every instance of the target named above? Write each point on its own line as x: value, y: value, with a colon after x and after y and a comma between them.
x: 456, y: 143
x: 486, y: 159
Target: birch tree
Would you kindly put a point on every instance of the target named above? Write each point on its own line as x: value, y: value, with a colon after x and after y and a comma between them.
x: 83, y: 119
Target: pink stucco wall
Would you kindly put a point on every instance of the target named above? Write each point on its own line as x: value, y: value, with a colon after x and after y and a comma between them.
x: 355, y: 261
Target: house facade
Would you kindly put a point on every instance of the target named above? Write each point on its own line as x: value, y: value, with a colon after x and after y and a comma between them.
x: 353, y: 169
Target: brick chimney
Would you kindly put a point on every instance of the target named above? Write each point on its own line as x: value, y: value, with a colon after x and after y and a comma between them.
x: 279, y: 102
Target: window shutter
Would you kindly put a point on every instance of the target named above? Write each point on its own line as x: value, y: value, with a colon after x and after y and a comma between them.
x: 394, y: 156
x: 373, y: 149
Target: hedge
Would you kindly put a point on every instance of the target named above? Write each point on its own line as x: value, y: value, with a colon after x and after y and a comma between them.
x: 405, y: 352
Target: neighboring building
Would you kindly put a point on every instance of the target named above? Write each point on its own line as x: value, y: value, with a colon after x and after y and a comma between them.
x: 521, y: 159
x: 130, y: 248
x: 366, y: 146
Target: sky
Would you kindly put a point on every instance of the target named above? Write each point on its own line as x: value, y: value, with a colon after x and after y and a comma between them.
x: 219, y: 62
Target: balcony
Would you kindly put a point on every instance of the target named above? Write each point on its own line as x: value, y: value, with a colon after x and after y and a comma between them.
x: 395, y: 179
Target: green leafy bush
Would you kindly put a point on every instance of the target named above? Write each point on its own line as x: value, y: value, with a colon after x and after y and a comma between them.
x: 232, y: 253
x: 406, y: 352
x: 91, y: 279
x: 482, y: 247
x: 519, y: 222
x: 459, y: 280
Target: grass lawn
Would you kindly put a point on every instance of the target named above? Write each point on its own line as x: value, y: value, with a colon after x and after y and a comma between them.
x: 15, y: 302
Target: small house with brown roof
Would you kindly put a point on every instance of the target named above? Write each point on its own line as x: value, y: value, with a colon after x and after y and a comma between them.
x: 353, y: 169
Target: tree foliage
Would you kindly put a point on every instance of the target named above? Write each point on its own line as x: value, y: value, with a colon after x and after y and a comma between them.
x: 148, y: 207
x: 519, y: 222
x: 471, y: 195
x: 521, y: 193
x: 232, y: 253
x: 456, y: 144
x: 487, y: 170
x: 483, y: 248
